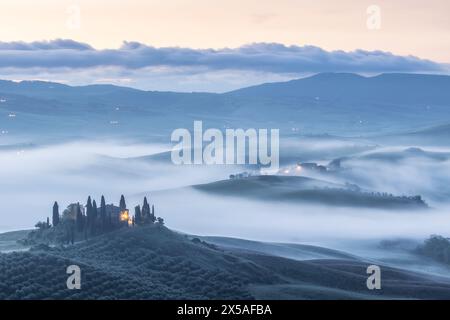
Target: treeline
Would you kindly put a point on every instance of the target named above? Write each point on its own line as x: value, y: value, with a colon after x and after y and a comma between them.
x: 436, y: 247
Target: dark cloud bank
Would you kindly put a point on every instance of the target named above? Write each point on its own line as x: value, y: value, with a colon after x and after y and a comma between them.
x: 265, y: 57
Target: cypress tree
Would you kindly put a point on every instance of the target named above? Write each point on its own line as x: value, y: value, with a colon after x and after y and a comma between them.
x: 103, y: 213
x: 152, y: 215
x: 145, y: 203
x: 94, y: 210
x: 55, y: 217
x: 137, y: 214
x: 145, y: 210
x: 122, y: 205
x: 48, y: 222
x: 94, y: 216
x: 89, y: 211
x: 80, y: 222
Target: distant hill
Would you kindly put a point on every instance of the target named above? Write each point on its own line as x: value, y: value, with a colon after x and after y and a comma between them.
x: 335, y: 103
x: 307, y: 190
x: 389, y: 88
x: 394, y: 156
x: 432, y: 136
x: 155, y: 263
x: 443, y: 130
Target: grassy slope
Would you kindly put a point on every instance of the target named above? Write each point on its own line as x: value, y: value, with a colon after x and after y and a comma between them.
x: 156, y: 263
x: 285, y: 250
x: 8, y: 240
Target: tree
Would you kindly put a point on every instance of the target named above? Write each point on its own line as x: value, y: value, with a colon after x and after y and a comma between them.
x: 55, y: 217
x: 145, y: 202
x: 103, y: 213
x: 145, y: 210
x: 89, y: 211
x: 160, y: 221
x: 48, y: 222
x: 72, y: 233
x: 69, y: 227
x: 137, y: 214
x: 122, y: 205
x: 41, y: 225
x: 80, y: 220
x: 153, y: 218
x: 94, y: 210
x: 94, y: 216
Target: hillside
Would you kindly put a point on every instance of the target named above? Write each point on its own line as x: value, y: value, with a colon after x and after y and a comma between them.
x: 334, y: 103
x: 303, y: 189
x: 397, y: 155
x: 155, y: 263
x: 390, y: 88
x: 9, y: 240
x: 436, y: 135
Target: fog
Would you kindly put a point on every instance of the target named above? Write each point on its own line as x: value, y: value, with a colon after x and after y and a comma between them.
x: 394, y: 170
x: 321, y: 148
x: 412, y: 175
x: 33, y: 179
x: 199, y: 213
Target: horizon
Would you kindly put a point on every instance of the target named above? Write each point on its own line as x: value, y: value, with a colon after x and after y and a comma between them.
x: 211, y: 92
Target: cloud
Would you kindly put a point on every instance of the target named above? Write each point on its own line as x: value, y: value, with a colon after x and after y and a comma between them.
x: 184, y: 69
x: 267, y: 57
x: 45, y: 45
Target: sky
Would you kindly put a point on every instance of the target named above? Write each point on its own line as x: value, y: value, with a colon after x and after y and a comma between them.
x: 212, y: 45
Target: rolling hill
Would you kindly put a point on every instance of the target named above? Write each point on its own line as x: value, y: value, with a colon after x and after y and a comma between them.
x: 155, y: 263
x: 307, y: 190
x: 394, y: 156
x: 343, y: 104
x: 429, y: 136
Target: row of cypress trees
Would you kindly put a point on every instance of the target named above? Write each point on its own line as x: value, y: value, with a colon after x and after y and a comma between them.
x: 98, y: 220
x: 146, y: 215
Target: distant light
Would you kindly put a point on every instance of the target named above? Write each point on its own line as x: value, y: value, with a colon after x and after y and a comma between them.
x: 11, y: 115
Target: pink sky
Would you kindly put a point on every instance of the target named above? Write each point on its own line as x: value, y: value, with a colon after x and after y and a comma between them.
x: 420, y: 28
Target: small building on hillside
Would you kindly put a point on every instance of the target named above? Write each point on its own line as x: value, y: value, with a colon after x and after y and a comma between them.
x: 118, y: 216
x: 312, y: 166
